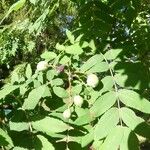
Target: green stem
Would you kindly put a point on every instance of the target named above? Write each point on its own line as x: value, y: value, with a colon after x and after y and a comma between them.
x: 115, y: 86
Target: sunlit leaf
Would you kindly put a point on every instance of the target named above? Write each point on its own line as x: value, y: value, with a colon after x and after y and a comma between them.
x: 134, y: 100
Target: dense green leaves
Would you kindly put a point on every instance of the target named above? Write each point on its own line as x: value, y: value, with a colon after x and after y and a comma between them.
x: 43, y: 144
x: 39, y: 100
x: 5, y: 139
x: 132, y: 75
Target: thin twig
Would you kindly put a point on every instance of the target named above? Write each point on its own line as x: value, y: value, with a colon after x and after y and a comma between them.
x: 115, y: 86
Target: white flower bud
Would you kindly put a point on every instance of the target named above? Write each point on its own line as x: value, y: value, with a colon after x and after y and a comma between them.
x: 67, y: 113
x: 78, y: 100
x: 92, y: 80
x: 42, y: 65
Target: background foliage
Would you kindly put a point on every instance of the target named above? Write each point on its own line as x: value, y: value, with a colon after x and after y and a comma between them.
x: 108, y: 38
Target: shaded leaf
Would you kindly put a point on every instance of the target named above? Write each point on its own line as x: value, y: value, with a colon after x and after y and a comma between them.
x: 42, y: 143
x: 120, y: 137
x: 33, y: 98
x: 5, y: 139
x: 129, y: 140
x: 7, y: 90
x: 135, y: 123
